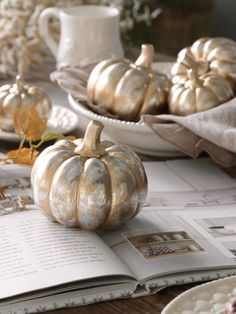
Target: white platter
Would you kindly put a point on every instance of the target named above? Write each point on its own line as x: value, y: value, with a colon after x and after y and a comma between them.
x: 61, y: 120
x: 138, y: 136
x: 208, y: 298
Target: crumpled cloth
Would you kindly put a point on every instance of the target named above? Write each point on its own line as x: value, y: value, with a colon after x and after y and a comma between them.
x: 212, y: 131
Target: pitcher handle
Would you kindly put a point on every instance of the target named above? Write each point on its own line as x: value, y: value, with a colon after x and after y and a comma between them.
x: 44, y: 28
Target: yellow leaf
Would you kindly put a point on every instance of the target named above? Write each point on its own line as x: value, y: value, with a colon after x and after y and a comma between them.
x: 23, y: 156
x: 29, y: 124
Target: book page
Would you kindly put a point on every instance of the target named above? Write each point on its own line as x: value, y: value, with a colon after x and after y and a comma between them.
x: 37, y: 253
x: 187, y: 184
x: 15, y: 188
x: 217, y: 226
x: 186, y: 175
x: 157, y: 244
x: 192, y: 199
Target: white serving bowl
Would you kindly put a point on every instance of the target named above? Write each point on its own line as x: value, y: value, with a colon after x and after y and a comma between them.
x: 136, y: 135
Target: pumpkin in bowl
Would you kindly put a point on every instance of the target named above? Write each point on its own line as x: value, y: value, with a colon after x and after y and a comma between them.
x: 18, y: 96
x: 89, y: 183
x: 217, y: 55
x: 198, y: 93
x: 128, y: 89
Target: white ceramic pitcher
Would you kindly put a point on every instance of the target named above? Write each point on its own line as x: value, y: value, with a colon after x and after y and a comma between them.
x: 88, y: 34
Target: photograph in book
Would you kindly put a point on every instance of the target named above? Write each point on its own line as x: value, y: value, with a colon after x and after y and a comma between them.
x: 218, y: 226
x: 15, y: 194
x: 160, y: 244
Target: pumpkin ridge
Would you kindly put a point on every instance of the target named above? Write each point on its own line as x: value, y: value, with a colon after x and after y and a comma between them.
x: 92, y: 81
x: 132, y: 178
x: 50, y: 152
x: 108, y: 212
x: 129, y: 71
x: 57, y: 187
x: 77, y: 196
x: 138, y: 188
x: 149, y: 78
x: 121, y: 149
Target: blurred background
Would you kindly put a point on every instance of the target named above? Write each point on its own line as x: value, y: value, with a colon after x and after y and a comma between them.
x: 181, y: 22
x: 169, y: 25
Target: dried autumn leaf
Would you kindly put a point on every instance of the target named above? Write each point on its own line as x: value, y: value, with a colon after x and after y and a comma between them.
x: 23, y: 156
x: 70, y: 137
x: 29, y: 124
x: 56, y: 136
x: 52, y: 136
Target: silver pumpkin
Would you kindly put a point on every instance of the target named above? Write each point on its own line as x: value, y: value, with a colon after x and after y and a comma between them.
x: 128, y: 89
x: 88, y: 183
x: 217, y: 55
x: 198, y: 93
x: 18, y: 96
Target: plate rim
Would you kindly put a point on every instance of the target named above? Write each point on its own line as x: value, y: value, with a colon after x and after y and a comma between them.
x: 172, y: 303
x: 132, y: 127
x: 129, y: 125
x: 14, y: 138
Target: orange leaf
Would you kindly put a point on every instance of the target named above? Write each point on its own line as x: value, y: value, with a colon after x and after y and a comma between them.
x: 29, y: 124
x: 23, y: 156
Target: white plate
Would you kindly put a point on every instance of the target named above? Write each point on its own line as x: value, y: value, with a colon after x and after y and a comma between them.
x: 61, y: 120
x: 208, y: 298
x: 137, y: 136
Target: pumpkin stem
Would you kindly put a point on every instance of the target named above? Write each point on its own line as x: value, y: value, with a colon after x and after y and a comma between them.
x: 146, y: 56
x: 91, y: 145
x: 193, y: 78
x: 19, y: 82
x: 186, y: 57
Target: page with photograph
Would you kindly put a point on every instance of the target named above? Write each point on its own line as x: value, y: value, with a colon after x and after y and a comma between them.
x: 37, y: 254
x: 15, y: 189
x: 157, y: 244
x: 217, y: 226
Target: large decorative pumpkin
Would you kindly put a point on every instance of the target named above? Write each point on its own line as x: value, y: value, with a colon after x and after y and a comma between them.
x: 127, y: 89
x: 198, y: 93
x: 89, y: 184
x: 217, y: 55
x: 18, y: 96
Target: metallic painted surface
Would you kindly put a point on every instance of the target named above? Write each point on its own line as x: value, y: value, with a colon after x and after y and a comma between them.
x: 18, y: 96
x: 92, y: 185
x: 197, y: 94
x: 129, y: 89
x: 207, y: 54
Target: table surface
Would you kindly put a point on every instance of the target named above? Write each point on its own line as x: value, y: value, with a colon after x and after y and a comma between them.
x: 145, y: 305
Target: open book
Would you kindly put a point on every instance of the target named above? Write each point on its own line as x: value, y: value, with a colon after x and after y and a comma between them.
x: 185, y: 233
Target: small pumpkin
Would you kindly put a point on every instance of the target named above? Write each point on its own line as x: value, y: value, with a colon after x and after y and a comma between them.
x: 18, y: 96
x: 198, y: 93
x: 128, y: 89
x: 217, y: 55
x: 88, y: 183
